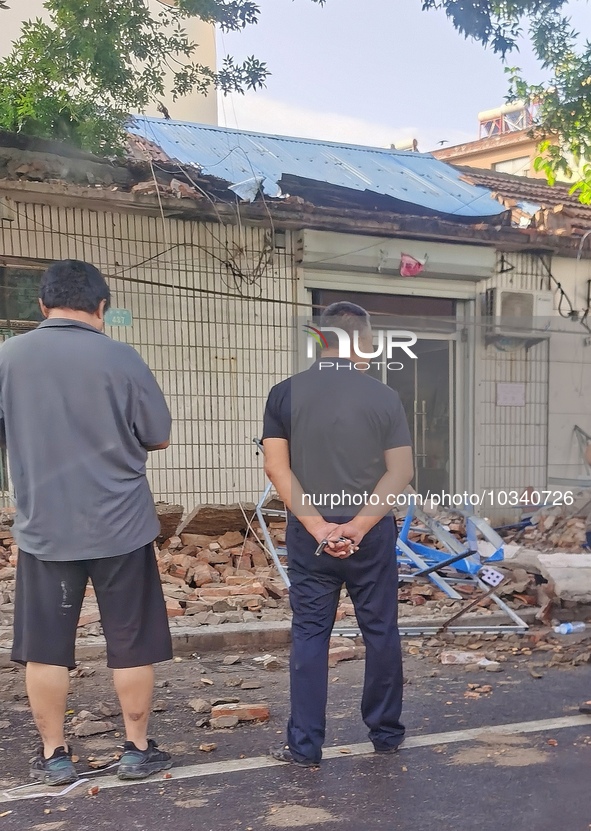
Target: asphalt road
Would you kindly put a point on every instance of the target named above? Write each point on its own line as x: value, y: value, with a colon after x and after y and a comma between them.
x: 531, y: 776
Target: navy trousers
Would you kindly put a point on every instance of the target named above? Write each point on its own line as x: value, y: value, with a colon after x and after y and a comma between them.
x: 371, y: 577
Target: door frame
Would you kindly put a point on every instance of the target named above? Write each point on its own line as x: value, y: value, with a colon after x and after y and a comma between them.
x: 462, y: 368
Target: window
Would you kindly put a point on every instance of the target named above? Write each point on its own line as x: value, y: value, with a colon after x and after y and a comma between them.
x: 435, y: 314
x: 19, y: 311
x: 19, y: 293
x: 518, y: 167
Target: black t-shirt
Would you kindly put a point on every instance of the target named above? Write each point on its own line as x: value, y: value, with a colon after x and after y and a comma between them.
x: 338, y: 422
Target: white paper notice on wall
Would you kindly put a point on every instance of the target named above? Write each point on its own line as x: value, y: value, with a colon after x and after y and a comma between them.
x: 510, y: 395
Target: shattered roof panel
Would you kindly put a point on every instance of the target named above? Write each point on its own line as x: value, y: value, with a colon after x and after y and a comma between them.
x: 532, y: 195
x: 253, y: 161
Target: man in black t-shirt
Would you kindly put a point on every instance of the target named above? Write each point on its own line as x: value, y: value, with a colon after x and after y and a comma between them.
x: 337, y: 448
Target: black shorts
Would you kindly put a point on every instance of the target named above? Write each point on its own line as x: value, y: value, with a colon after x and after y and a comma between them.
x: 49, y: 598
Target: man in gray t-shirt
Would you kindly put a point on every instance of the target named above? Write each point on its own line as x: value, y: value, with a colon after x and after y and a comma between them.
x: 79, y: 413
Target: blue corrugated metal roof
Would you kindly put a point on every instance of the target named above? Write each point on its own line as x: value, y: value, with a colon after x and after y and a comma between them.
x: 250, y: 161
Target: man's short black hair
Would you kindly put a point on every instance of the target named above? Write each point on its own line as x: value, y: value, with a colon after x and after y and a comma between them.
x: 73, y: 284
x: 344, y: 315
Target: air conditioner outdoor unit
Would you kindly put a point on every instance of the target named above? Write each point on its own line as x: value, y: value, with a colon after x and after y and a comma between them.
x: 519, y: 314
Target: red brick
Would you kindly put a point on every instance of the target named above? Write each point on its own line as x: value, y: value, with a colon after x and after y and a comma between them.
x: 241, y: 560
x: 242, y: 572
x: 246, y: 601
x: 250, y: 546
x: 175, y: 581
x: 199, y: 540
x: 204, y: 573
x: 341, y: 653
x: 230, y: 539
x: 171, y: 544
x: 184, y: 558
x: 164, y: 560
x: 226, y: 571
x: 276, y: 587
x: 239, y: 580
x: 259, y: 558
x: 177, y: 570
x: 174, y: 608
x: 249, y: 588
x: 213, y: 591
x: 190, y: 550
x: 218, y: 558
x: 243, y: 712
x: 89, y: 617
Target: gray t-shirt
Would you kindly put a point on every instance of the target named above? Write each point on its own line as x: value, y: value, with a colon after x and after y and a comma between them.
x: 78, y: 410
x: 338, y: 422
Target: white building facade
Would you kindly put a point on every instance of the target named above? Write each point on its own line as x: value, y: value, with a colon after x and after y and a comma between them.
x: 193, y: 107
x: 214, y: 294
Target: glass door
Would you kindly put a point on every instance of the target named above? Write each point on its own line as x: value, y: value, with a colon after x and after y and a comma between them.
x: 425, y: 388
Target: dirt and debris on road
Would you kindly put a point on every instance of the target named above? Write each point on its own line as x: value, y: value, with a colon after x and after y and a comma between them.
x: 188, y: 714
x: 367, y: 792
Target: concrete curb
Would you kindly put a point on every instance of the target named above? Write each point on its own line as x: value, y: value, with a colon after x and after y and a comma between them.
x: 258, y: 636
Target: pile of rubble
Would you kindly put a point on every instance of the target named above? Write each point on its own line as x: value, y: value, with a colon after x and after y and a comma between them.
x: 209, y: 573
x: 214, y: 568
x: 215, y: 577
x: 557, y: 527
x: 553, y: 527
x: 541, y: 648
x: 8, y: 558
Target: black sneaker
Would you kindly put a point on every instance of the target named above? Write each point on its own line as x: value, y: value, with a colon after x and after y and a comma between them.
x: 138, y: 764
x: 284, y: 754
x: 57, y: 770
x: 383, y: 748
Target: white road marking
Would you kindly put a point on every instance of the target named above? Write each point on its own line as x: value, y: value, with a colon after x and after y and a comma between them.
x: 340, y: 752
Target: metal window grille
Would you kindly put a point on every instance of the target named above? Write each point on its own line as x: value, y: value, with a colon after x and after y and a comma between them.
x: 513, y: 450
x: 213, y: 309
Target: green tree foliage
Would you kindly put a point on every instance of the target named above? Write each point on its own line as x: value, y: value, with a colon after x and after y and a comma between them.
x: 563, y: 102
x: 495, y: 24
x: 78, y: 76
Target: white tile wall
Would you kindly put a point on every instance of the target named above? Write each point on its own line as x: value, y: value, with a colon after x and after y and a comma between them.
x: 215, y: 357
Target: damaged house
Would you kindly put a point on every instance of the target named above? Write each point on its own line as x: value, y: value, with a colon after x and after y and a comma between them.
x: 219, y: 244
